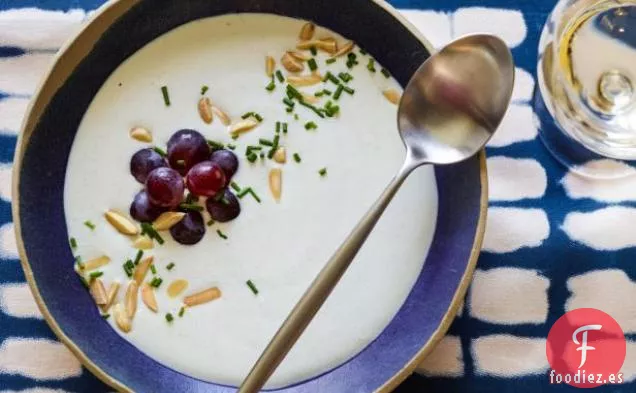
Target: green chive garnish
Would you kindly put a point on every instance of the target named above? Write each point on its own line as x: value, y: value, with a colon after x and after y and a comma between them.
x: 345, y: 76
x: 297, y: 158
x: 181, y: 312
x: 348, y: 90
x: 338, y: 92
x: 293, y: 92
x: 252, y: 157
x: 129, y: 267
x: 311, y: 126
x: 170, y: 266
x: 331, y: 77
x: 278, y: 127
x: 215, y: 145
x: 147, y: 229
x: 331, y: 61
x: 318, y: 111
x: 258, y: 117
x: 204, y: 89
x: 296, y: 116
x: 288, y: 102
x: 221, y: 234
x: 159, y: 151
x: 169, y: 317
x: 276, y: 142
x: 153, y: 269
x: 191, y: 207
x: 140, y: 254
x: 313, y: 51
x: 249, y: 190
x: 73, y: 243
x: 231, y: 146
x: 156, y: 282
x: 210, y: 223
x: 363, y: 52
x: 284, y: 128
x: 90, y: 225
x: 106, y: 316
x: 94, y: 275
x: 319, y: 93
x: 248, y: 114
x: 312, y: 64
x: 385, y: 72
x: 235, y: 187
x: 252, y: 287
x: 371, y: 65
x: 166, y: 95
x: 190, y: 198
x: 322, y: 172
x: 265, y: 142
x: 280, y: 77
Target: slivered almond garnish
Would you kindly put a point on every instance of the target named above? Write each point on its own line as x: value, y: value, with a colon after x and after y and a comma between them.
x: 328, y: 45
x: 121, y: 318
x: 202, y: 297
x: 299, y: 55
x: 344, y: 49
x: 270, y: 64
x: 166, y: 220
x: 290, y: 63
x: 143, y: 242
x: 307, y: 31
x: 130, y: 300
x: 112, y: 294
x: 205, y: 110
x: 121, y: 223
x: 280, y: 156
x: 98, y: 292
x: 276, y: 183
x: 94, y: 263
x: 243, y: 126
x: 148, y: 297
x: 392, y: 95
x: 304, y: 80
x: 142, y: 269
x: 177, y: 287
x: 225, y: 119
x: 141, y: 134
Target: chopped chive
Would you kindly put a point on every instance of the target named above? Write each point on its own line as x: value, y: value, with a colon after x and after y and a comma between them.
x: 280, y: 77
x: 90, y: 225
x: 221, y: 234
x: 151, y: 232
x: 252, y: 157
x: 191, y: 207
x: 289, y: 110
x: 94, y: 275
x: 73, y: 243
x: 331, y: 61
x: 345, y: 76
x: 331, y: 77
x: 251, y: 285
x: 331, y: 110
x: 235, y: 187
x: 296, y: 116
x: 159, y: 151
x: 297, y: 158
x: 276, y: 142
x: 169, y: 317
x: 231, y: 146
x: 170, y: 266
x: 348, y: 90
x: 271, y: 153
x: 278, y: 127
x: 211, y: 222
x: 140, y: 254
x: 312, y: 64
x: 215, y: 145
x: 129, y: 267
x: 235, y: 136
x: 105, y: 316
x: 249, y: 190
x: 248, y: 114
x: 318, y: 111
x: 322, y: 172
x: 293, y: 92
x: 284, y: 128
x: 313, y: 51
x: 327, y: 92
x: 271, y: 86
x: 204, y: 89
x: 363, y: 52
x: 191, y: 198
x: 371, y: 65
x: 311, y: 126
x: 153, y: 269
x: 265, y: 142
x: 338, y: 92
x: 166, y: 95
x: 181, y: 312
x: 319, y: 93
x: 385, y: 72
x: 288, y: 102
x: 351, y: 56
x: 258, y: 117
x: 156, y: 282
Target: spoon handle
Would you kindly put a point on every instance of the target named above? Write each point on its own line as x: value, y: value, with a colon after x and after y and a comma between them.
x: 320, y: 289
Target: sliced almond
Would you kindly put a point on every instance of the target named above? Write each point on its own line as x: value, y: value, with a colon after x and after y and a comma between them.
x: 166, y: 220
x: 307, y: 31
x: 121, y: 318
x: 392, y: 95
x: 299, y: 55
x: 94, y: 263
x: 141, y: 134
x: 290, y: 63
x: 112, y: 294
x: 121, y: 223
x: 148, y: 297
x: 177, y: 287
x: 143, y: 242
x: 344, y: 49
x: 328, y: 45
x: 270, y: 64
x: 243, y: 126
x: 142, y: 269
x: 276, y: 182
x: 131, y: 299
x: 280, y: 156
x: 202, y: 297
x: 225, y: 119
x: 205, y: 110
x: 98, y: 292
x: 304, y: 80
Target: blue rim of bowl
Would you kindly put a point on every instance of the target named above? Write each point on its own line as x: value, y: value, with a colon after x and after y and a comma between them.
x: 105, y: 16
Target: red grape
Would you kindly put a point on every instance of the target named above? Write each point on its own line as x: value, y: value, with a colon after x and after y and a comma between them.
x: 227, y: 161
x: 186, y: 148
x: 224, y: 209
x: 145, y: 161
x: 165, y: 187
x: 189, y: 230
x: 205, y: 179
x: 143, y: 210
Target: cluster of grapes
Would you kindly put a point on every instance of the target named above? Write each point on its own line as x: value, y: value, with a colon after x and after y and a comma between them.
x: 191, y: 163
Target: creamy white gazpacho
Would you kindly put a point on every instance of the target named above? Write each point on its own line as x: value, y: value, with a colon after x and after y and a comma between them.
x: 214, y: 174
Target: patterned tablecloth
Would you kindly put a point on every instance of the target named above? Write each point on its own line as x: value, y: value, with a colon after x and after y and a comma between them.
x: 554, y: 242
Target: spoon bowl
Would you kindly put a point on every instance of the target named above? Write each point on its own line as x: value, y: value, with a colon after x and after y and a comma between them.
x: 455, y: 101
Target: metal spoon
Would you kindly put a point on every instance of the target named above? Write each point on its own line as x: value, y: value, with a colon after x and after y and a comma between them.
x: 448, y: 112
